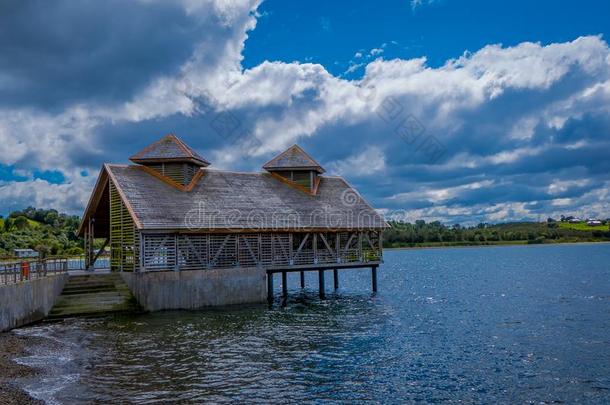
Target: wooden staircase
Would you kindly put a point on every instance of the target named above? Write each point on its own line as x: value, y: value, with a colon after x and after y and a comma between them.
x: 94, y: 294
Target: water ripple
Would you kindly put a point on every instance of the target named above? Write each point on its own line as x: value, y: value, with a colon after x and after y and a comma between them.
x: 489, y: 325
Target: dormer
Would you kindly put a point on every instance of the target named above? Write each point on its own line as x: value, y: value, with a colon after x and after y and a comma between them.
x: 294, y: 165
x: 171, y: 158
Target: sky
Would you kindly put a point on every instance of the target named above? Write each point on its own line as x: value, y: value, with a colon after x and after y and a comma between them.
x: 463, y: 112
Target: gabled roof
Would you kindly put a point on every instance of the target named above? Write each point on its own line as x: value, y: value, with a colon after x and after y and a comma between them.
x: 235, y: 201
x: 168, y: 148
x: 293, y: 158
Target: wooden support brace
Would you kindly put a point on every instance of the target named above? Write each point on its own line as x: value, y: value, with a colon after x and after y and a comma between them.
x: 92, y: 263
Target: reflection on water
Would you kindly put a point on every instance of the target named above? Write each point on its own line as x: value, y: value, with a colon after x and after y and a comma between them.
x: 511, y: 324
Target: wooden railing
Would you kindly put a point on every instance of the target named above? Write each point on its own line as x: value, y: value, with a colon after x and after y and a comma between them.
x: 163, y: 252
x: 15, y: 271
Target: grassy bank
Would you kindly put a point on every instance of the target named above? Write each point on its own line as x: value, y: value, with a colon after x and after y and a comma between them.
x: 582, y: 226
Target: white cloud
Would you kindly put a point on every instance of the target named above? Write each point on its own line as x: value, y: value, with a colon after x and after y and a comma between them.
x: 40, y: 193
x: 437, y: 195
x: 370, y: 162
x: 561, y: 186
x: 467, y: 103
x: 419, y: 3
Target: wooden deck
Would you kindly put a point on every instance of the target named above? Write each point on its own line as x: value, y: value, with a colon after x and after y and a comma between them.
x: 320, y: 269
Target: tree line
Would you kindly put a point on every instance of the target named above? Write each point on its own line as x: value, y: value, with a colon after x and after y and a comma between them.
x: 420, y: 233
x: 52, y: 233
x: 46, y: 231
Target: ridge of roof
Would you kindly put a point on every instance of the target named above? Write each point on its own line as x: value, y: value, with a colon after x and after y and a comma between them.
x: 153, y: 152
x: 291, y: 162
x: 217, y: 170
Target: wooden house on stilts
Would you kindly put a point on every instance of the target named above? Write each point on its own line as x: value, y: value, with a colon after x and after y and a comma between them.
x: 184, y: 235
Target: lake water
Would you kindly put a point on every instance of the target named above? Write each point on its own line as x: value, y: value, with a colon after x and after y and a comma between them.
x: 524, y: 324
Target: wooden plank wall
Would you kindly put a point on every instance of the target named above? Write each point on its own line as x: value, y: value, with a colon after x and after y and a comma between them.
x: 124, y: 237
x: 206, y: 251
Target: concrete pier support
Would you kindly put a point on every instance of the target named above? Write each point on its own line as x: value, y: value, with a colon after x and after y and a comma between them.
x: 29, y: 301
x: 302, y: 279
x: 197, y: 289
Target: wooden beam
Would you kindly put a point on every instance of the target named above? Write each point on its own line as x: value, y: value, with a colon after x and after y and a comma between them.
x: 92, y: 264
x: 328, y: 266
x: 315, y: 248
x: 338, y: 246
x: 330, y: 250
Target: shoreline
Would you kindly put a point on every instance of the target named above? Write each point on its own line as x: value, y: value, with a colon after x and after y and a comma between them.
x: 495, y: 245
x: 13, y: 346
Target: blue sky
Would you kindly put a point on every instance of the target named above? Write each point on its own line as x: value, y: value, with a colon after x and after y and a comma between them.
x: 442, y: 110
x: 332, y: 32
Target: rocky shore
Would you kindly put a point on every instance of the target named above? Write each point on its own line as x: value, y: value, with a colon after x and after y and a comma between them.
x: 12, y: 346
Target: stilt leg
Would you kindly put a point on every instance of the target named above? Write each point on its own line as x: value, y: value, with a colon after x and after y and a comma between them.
x: 284, y: 289
x: 336, y: 278
x: 302, y: 279
x: 321, y: 282
x: 270, y: 288
x: 374, y: 277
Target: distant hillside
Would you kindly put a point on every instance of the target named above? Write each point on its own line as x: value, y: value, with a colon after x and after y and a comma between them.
x: 436, y: 234
x: 46, y: 231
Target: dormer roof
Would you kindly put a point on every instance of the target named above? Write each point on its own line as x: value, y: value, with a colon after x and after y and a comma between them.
x: 169, y: 149
x: 293, y: 158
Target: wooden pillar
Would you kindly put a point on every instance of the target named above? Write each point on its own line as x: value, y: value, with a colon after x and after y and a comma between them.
x: 336, y: 278
x: 315, y: 248
x: 374, y: 277
x: 302, y: 279
x: 270, y: 288
x: 176, y: 253
x: 284, y: 289
x: 321, y: 282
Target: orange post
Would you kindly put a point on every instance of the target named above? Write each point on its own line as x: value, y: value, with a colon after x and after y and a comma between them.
x: 25, y: 270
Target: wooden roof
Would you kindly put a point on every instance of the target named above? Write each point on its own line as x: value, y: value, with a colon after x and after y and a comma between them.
x: 293, y: 158
x: 168, y: 149
x: 235, y: 201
